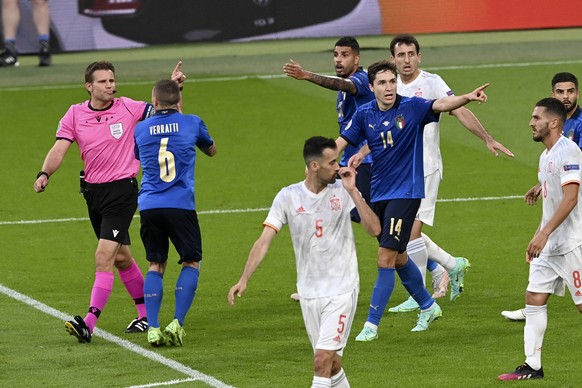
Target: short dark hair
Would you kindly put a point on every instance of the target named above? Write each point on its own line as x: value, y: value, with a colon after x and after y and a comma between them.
x: 406, y: 39
x: 314, y: 147
x: 349, y: 41
x: 378, y: 67
x: 167, y: 92
x: 93, y: 67
x: 554, y: 107
x: 564, y: 77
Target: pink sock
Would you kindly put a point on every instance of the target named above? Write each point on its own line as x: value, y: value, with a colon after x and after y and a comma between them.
x: 101, y: 290
x: 132, y: 278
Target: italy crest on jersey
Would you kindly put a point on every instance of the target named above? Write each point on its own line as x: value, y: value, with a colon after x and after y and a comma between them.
x: 116, y: 130
x: 335, y: 203
x: 399, y: 122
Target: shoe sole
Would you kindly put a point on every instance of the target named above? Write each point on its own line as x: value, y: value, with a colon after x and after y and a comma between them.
x: 173, y: 338
x: 157, y: 343
x: 72, y: 331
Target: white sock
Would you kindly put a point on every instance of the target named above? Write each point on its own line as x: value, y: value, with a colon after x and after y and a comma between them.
x: 321, y: 382
x: 416, y: 250
x: 536, y: 321
x: 437, y: 271
x: 340, y: 380
x: 437, y: 254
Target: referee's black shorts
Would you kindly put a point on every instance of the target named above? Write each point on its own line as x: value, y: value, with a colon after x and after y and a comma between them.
x: 111, y: 208
x: 158, y: 226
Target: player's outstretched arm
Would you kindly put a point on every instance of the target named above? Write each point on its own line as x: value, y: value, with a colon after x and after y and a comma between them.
x: 369, y: 220
x: 256, y: 256
x: 472, y: 123
x: 51, y: 164
x: 293, y: 69
x: 447, y: 104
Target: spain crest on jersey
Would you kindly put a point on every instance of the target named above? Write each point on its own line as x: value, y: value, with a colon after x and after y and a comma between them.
x: 335, y: 203
x: 116, y: 130
x: 399, y: 122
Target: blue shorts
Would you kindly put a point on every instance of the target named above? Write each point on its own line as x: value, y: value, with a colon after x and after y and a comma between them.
x: 396, y: 219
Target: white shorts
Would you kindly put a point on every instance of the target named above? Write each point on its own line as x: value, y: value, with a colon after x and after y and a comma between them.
x: 427, y: 207
x: 328, y: 320
x: 551, y: 274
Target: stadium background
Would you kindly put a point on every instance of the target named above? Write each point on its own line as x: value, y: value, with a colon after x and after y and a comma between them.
x: 259, y: 119
x: 108, y: 24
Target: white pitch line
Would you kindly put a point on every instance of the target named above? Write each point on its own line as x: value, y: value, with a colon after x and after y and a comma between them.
x: 273, y: 76
x: 171, y: 382
x: 249, y: 210
x: 193, y: 374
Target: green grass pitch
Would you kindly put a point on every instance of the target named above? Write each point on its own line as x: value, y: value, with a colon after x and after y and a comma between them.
x: 260, y: 120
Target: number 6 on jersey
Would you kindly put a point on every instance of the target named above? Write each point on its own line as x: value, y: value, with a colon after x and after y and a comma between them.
x: 166, y: 161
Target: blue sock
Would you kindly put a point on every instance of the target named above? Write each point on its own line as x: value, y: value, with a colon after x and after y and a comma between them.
x: 381, y: 294
x: 412, y: 280
x: 431, y: 265
x: 185, y: 291
x: 42, y: 37
x: 153, y: 288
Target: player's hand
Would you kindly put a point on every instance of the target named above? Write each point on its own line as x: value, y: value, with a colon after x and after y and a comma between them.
x: 348, y: 176
x: 536, y: 245
x: 238, y: 289
x: 494, y: 146
x: 356, y: 160
x: 178, y: 75
x: 478, y: 94
x: 40, y: 184
x: 533, y: 194
x: 294, y: 69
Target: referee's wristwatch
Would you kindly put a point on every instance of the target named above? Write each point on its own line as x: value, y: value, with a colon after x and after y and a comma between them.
x: 41, y: 173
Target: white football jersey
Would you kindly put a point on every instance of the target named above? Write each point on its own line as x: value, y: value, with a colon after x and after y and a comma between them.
x: 428, y: 86
x: 559, y: 166
x: 322, y: 235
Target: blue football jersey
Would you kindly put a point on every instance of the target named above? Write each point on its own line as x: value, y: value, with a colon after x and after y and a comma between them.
x: 166, y: 146
x: 395, y: 140
x: 347, y: 105
x: 573, y: 127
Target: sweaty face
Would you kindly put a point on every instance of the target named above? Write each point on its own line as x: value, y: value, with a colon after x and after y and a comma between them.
x: 384, y: 88
x: 567, y: 93
x: 406, y: 59
x: 102, y: 89
x: 345, y: 61
x: 540, y: 123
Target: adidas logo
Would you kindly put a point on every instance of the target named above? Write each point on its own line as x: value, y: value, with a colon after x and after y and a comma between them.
x: 337, y: 338
x: 115, y: 232
x: 300, y: 209
x: 578, y: 293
